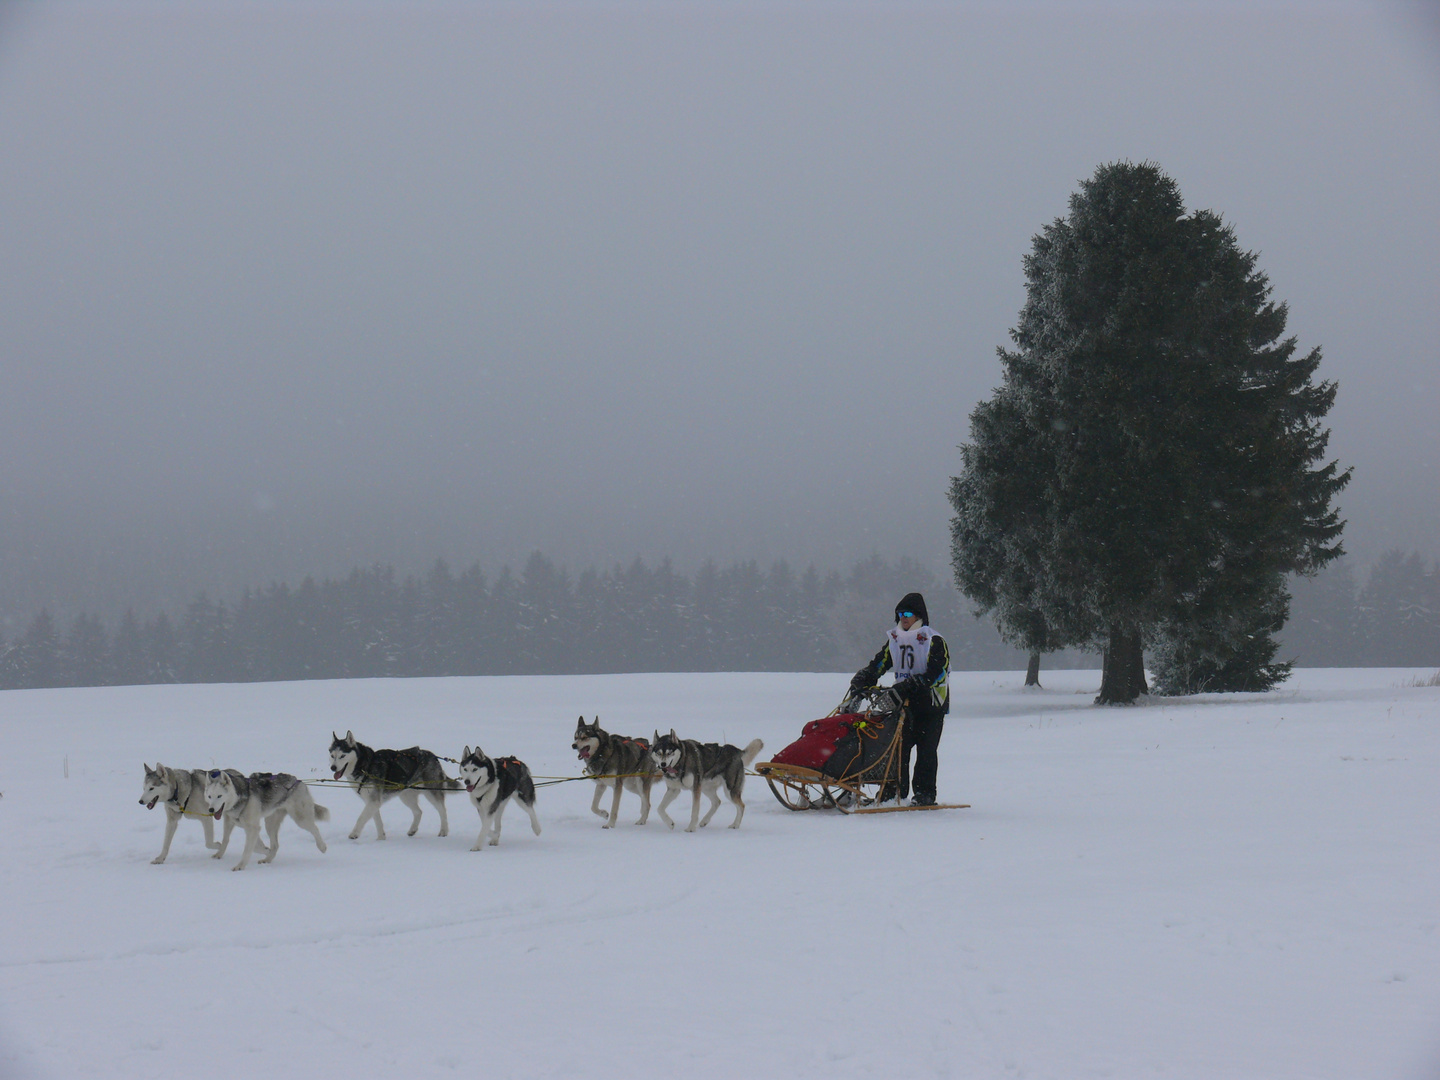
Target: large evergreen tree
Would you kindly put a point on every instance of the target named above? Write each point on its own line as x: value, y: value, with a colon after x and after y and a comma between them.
x: 1152, y: 461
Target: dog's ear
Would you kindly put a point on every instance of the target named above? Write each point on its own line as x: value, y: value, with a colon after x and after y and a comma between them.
x: 148, y: 771
x: 349, y: 737
x: 656, y: 739
x: 673, y: 735
x: 466, y: 754
x: 333, y: 736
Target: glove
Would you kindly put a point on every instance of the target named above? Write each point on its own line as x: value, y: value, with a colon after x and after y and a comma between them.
x: 907, y: 687
x: 857, y: 685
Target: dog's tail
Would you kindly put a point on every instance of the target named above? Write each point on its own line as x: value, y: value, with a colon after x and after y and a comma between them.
x: 751, y: 752
x: 321, y: 813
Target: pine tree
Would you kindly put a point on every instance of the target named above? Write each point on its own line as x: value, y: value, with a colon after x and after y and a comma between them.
x: 1151, y: 462
x: 1229, y: 647
x: 1398, y: 615
x: 85, y: 654
x: 127, y: 652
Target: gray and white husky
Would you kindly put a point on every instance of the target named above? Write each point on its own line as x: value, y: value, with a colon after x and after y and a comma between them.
x: 248, y: 800
x: 492, y: 784
x: 385, y: 774
x: 616, y: 763
x: 693, y: 766
x: 182, y: 792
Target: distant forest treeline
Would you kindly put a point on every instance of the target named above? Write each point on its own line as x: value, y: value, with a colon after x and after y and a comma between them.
x: 630, y: 619
x: 1393, y: 620
x: 542, y: 621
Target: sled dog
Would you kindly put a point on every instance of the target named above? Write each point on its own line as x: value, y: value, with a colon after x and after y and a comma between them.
x: 182, y: 792
x: 248, y: 800
x: 617, y: 763
x: 694, y: 766
x: 385, y: 774
x: 491, y: 785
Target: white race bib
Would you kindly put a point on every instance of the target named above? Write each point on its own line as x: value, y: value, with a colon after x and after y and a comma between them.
x: 910, y: 650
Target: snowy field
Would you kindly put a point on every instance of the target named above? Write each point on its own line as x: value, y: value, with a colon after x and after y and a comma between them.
x: 1229, y: 886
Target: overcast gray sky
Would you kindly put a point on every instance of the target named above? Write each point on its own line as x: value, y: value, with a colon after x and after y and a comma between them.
x: 290, y: 287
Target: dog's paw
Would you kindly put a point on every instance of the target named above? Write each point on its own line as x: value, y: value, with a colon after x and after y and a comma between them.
x: 413, y: 831
x: 354, y: 836
x: 214, y: 845
x: 238, y: 866
x: 217, y: 855
x: 157, y: 860
x: 606, y: 825
x: 444, y: 832
x: 478, y: 846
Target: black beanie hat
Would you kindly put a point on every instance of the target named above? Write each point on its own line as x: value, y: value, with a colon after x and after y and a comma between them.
x: 916, y: 603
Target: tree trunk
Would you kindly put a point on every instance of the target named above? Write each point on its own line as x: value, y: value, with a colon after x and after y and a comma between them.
x: 1032, y: 671
x: 1123, y: 679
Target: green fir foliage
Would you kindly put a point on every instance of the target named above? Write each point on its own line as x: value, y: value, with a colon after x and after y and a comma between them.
x: 1153, y: 461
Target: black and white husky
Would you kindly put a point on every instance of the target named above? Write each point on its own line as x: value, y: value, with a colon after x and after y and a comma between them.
x: 618, y: 764
x: 182, y: 792
x: 384, y: 774
x: 491, y: 785
x: 261, y: 797
x: 693, y: 766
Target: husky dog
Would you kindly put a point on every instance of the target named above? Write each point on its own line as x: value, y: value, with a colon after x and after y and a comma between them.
x: 491, y: 785
x: 615, y: 762
x: 248, y: 800
x: 383, y: 774
x: 698, y: 767
x: 182, y: 792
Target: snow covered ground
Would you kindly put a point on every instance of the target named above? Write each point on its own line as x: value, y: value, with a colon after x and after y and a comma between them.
x: 1228, y: 886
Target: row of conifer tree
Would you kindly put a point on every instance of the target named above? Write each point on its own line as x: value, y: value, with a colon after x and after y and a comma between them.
x: 372, y: 623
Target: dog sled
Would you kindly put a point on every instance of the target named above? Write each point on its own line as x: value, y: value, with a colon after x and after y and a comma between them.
x: 847, y: 761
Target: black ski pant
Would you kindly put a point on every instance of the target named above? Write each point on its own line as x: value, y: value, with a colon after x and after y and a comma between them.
x: 923, y: 728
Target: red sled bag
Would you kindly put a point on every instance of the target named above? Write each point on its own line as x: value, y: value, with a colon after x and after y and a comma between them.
x: 852, y: 746
x: 817, y: 742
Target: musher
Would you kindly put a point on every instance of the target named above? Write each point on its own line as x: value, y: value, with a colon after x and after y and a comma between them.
x: 921, y: 662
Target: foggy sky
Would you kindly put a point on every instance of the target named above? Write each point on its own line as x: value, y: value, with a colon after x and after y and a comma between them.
x: 286, y: 289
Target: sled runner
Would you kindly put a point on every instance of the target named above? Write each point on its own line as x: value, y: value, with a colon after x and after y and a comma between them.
x: 845, y: 760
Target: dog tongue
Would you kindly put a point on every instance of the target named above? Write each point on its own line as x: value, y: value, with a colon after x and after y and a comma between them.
x: 338, y: 772
x: 151, y: 804
x: 218, y: 813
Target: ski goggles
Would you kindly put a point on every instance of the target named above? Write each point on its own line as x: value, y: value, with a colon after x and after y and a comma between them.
x: 904, y: 614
